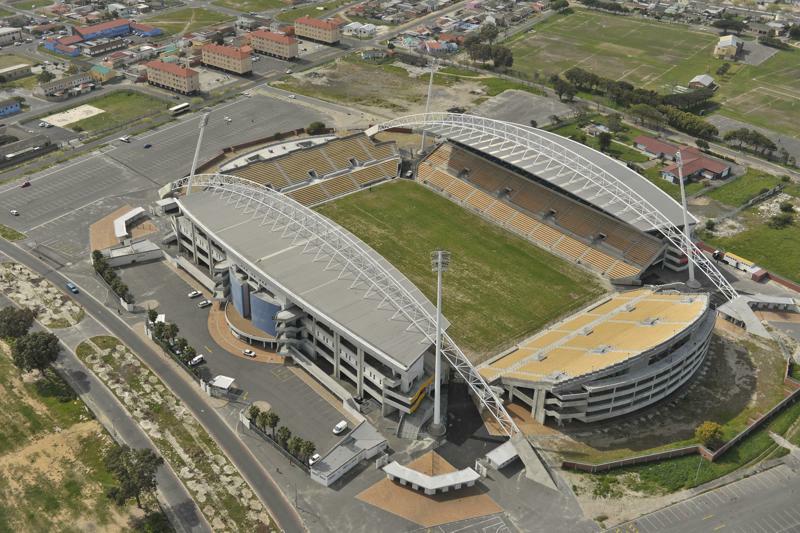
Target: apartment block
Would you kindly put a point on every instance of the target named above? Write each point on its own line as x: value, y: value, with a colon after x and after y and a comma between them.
x: 230, y: 58
x: 274, y: 44
x: 173, y: 77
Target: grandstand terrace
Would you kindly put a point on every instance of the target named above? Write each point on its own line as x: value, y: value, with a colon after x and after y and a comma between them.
x: 350, y: 162
x: 554, y: 221
x: 617, y: 356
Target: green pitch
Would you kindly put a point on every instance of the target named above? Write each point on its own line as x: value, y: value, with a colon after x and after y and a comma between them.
x: 500, y: 289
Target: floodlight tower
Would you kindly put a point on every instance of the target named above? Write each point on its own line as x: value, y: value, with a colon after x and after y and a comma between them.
x: 203, y: 123
x: 428, y: 101
x: 692, y: 283
x: 440, y: 262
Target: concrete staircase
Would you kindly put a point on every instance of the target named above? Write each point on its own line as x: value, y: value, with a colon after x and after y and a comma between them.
x: 411, y: 425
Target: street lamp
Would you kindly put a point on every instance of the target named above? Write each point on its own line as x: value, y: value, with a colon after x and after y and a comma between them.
x: 692, y: 283
x: 440, y: 262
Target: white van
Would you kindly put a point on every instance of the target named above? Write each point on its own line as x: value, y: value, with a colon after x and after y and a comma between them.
x: 340, y: 428
x: 125, y: 138
x: 196, y: 360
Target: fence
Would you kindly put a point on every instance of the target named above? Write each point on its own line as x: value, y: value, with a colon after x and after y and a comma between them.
x: 698, y: 449
x: 267, y: 437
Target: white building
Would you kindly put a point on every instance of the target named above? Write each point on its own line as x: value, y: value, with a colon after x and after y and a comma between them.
x: 10, y: 35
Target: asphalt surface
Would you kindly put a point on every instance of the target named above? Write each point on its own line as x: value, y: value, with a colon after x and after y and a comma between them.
x: 176, y: 379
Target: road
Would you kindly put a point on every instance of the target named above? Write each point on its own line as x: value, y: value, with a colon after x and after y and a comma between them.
x: 762, y: 503
x: 175, y: 378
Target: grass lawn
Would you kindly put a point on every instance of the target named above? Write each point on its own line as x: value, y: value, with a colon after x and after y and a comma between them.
x: 644, y: 53
x: 777, y: 250
x: 247, y: 6
x: 743, y: 188
x: 313, y: 10
x: 499, y: 288
x: 765, y: 95
x: 673, y: 189
x: 10, y: 234
x: 32, y: 4
x: 121, y: 107
x: 618, y: 150
x: 693, y: 470
x: 28, y: 82
x: 187, y: 20
x: 9, y: 60
x: 5, y: 12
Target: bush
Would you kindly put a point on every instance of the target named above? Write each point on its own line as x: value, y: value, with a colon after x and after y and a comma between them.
x: 787, y: 207
x: 316, y: 128
x: 711, y: 224
x: 709, y: 434
x: 780, y: 221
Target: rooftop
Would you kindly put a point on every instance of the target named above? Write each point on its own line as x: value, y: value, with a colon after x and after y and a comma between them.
x: 656, y: 146
x: 272, y: 36
x: 102, y: 26
x: 172, y: 68
x: 695, y: 161
x: 321, y: 290
x: 317, y: 23
x: 229, y: 51
x: 616, y: 329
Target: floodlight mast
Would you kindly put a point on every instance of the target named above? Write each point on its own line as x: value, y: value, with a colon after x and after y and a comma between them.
x: 428, y: 101
x: 203, y: 123
x: 692, y: 283
x: 440, y: 262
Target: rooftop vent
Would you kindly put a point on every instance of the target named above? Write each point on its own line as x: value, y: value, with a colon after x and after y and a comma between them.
x: 587, y: 331
x: 603, y: 348
x: 539, y: 356
x: 630, y: 307
x: 649, y: 321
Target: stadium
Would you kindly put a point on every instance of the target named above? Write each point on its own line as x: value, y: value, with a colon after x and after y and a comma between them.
x: 345, y: 301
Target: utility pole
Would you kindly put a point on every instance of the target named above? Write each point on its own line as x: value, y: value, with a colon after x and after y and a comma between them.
x: 428, y: 101
x: 440, y: 261
x: 203, y: 123
x: 692, y: 283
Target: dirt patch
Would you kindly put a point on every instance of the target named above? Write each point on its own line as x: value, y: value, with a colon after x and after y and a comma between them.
x: 75, y: 114
x: 27, y: 289
x: 728, y: 227
x: 772, y: 207
x: 430, y: 511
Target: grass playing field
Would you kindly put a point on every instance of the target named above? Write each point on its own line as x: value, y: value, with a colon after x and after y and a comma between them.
x: 121, y: 107
x: 187, y: 20
x: 644, y: 53
x: 499, y: 289
x: 250, y: 5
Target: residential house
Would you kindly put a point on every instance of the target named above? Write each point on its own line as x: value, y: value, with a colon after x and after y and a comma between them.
x: 10, y: 35
x: 66, y: 86
x: 102, y: 74
x: 702, y: 81
x: 9, y: 106
x: 655, y: 147
x: 15, y: 72
x: 728, y: 47
x: 696, y: 165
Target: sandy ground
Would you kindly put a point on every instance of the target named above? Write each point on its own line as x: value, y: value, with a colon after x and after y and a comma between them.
x: 72, y: 115
x: 429, y: 511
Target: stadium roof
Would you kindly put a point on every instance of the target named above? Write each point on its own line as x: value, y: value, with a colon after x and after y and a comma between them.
x: 579, y: 187
x: 613, y: 331
x: 310, y: 281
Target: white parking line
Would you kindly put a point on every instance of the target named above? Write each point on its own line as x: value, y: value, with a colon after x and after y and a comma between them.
x: 62, y: 215
x: 57, y: 168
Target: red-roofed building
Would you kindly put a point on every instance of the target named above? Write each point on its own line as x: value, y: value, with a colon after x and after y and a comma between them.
x: 696, y: 165
x: 274, y: 44
x: 112, y: 28
x: 323, y: 31
x: 230, y: 58
x: 655, y: 147
x: 173, y: 77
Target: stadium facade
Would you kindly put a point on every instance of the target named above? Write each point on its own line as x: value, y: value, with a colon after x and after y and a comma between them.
x: 294, y: 282
x: 617, y: 356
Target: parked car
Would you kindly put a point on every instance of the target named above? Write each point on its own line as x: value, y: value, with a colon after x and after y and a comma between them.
x: 72, y: 288
x: 196, y: 360
x: 25, y: 184
x: 41, y: 124
x: 313, y: 459
x: 14, y: 212
x: 204, y: 304
x: 194, y: 294
x: 125, y: 138
x: 148, y: 145
x: 292, y: 96
x: 249, y: 353
x: 288, y: 71
x: 340, y: 428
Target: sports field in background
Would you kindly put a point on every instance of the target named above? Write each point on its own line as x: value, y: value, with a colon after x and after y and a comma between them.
x: 646, y: 54
x: 500, y: 288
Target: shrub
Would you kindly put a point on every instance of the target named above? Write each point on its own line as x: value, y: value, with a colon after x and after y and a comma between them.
x: 787, y: 207
x: 709, y: 434
x: 781, y: 220
x: 711, y: 224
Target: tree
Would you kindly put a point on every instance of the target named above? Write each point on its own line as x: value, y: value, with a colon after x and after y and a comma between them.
x: 181, y: 344
x: 794, y: 32
x: 158, y: 330
x: 294, y: 446
x: 308, y: 449
x: 554, y: 119
x: 781, y: 220
x: 711, y: 224
x: 709, y: 434
x: 787, y: 207
x: 15, y: 322
x: 559, y: 5
x: 253, y: 413
x: 647, y: 115
x: 729, y: 25
x: 73, y: 69
x: 152, y: 315
x: 134, y: 471
x: 534, y: 123
x: 271, y: 421
x: 35, y: 350
x: 283, y: 435
x: 189, y: 353
x: 489, y: 32
x: 316, y: 128
x: 45, y: 76
x: 502, y: 57
x: 171, y: 331
x: 604, y: 140
x: 614, y: 122
x: 563, y: 89
x: 702, y: 144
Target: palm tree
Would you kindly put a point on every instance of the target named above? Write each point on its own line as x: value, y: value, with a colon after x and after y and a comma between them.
x: 261, y: 421
x: 295, y: 446
x: 272, y: 419
x: 253, y: 413
x: 284, y: 434
x: 171, y: 331
x: 308, y: 449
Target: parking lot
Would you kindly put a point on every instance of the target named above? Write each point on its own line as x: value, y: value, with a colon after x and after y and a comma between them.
x: 276, y: 384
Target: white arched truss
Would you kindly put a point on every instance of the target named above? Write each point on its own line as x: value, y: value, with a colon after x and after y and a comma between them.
x: 323, y: 240
x: 527, y: 143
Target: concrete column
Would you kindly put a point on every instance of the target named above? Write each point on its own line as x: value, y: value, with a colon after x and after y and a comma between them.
x: 360, y: 375
x: 194, y: 244
x: 336, y: 357
x: 538, y: 405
